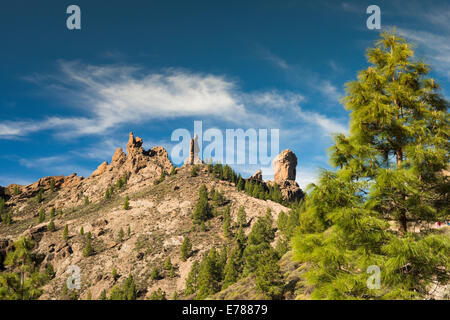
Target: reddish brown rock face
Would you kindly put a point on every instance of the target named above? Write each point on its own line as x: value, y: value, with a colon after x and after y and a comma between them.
x: 284, y: 166
x: 194, y: 149
x: 257, y: 176
x: 101, y: 169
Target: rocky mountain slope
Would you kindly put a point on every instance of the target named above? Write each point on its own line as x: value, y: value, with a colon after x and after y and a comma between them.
x: 132, y: 239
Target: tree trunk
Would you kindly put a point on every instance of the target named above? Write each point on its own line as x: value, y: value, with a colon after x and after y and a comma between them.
x: 403, y: 223
x: 399, y: 155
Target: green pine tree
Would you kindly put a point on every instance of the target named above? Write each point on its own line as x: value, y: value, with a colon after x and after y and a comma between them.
x: 25, y: 282
x: 202, y: 210
x: 186, y: 249
x: 102, y: 295
x: 126, y: 203
x: 40, y: 195
x: 240, y: 184
x: 227, y: 223
x: 115, y: 274
x: 51, y: 226
x: 52, y: 185
x: 41, y: 215
x: 241, y: 217
x: 209, y: 275
x: 194, y: 171
x: 192, y: 279
x: 126, y: 291
x: 66, y: 233
x: 88, y: 250
x: 268, y: 277
x: 232, y: 268
x: 388, y: 174
x: 155, y: 274
x: 168, y: 264
x: 158, y: 295
x: 121, y: 235
x: 259, y: 241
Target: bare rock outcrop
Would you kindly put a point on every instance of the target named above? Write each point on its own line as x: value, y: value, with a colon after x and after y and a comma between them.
x: 284, y: 166
x: 257, y: 176
x: 119, y: 157
x: 140, y: 167
x: 194, y: 149
x: 290, y: 190
x: 101, y: 169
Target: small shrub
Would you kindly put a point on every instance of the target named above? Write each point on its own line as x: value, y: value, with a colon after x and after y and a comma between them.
x: 121, y: 234
x: 66, y: 233
x: 158, y: 295
x: 155, y: 275
x: 88, y: 250
x: 51, y: 226
x: 41, y: 215
x: 186, y: 248
x: 115, y: 275
x: 40, y: 196
x: 126, y: 203
x: 194, y: 171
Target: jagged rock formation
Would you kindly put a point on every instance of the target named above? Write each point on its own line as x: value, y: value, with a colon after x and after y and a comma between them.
x: 194, y: 149
x: 101, y: 169
x: 290, y: 190
x: 159, y: 217
x: 257, y: 176
x: 141, y: 168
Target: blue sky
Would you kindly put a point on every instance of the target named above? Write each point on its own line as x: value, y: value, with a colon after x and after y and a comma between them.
x: 68, y: 99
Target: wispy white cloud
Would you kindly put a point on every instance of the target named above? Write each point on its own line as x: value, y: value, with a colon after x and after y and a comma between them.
x: 42, y: 161
x: 351, y: 7
x: 115, y: 95
x: 273, y: 58
x: 312, y: 80
x: 55, y: 165
x: 436, y: 48
x: 433, y: 37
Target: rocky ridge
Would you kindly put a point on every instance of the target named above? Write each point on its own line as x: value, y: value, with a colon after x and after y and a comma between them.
x: 158, y: 219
